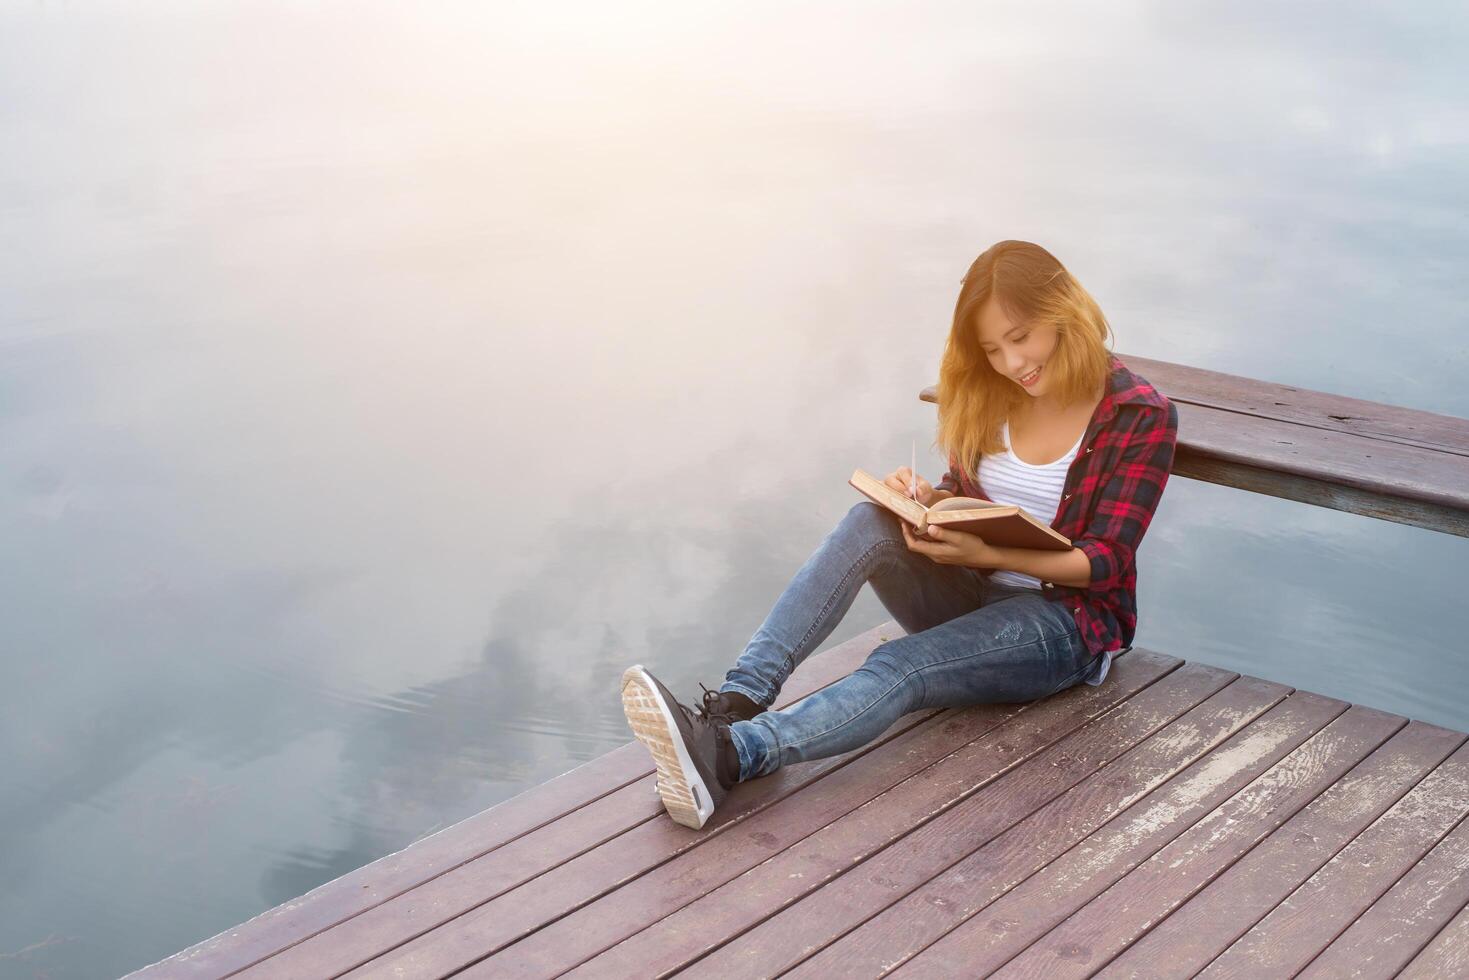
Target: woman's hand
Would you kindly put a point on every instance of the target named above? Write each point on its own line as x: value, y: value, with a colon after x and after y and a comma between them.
x: 898, y: 480
x: 949, y: 547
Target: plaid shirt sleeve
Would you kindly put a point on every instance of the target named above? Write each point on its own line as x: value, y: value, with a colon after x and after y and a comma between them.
x: 1129, y: 495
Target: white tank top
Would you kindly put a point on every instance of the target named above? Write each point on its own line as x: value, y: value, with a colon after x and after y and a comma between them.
x: 1007, y: 479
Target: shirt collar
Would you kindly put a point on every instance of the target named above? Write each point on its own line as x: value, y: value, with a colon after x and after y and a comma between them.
x: 1125, y: 388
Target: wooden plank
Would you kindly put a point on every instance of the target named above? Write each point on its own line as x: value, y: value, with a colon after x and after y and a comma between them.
x: 1313, y: 915
x: 562, y: 944
x: 471, y: 839
x: 1304, y: 406
x: 1098, y: 931
x: 1388, y: 935
x: 991, y: 938
x: 965, y: 895
x: 1415, y: 513
x: 869, y: 947
x: 1335, y: 458
x: 1447, y: 955
x: 1217, y: 915
x: 920, y: 815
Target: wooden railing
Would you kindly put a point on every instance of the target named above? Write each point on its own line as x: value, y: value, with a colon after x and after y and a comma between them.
x: 1397, y: 464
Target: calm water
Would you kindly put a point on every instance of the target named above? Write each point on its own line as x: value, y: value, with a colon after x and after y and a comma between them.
x: 376, y: 384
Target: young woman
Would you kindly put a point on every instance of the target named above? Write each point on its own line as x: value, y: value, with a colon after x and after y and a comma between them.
x: 1034, y: 410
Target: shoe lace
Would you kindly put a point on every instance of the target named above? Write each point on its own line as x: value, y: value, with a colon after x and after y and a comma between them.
x: 713, y: 706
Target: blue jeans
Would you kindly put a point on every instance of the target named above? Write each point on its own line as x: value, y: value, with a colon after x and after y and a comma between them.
x: 970, y: 641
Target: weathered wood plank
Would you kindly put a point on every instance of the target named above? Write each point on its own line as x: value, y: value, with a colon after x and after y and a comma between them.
x: 471, y: 839
x: 561, y: 946
x: 1095, y: 933
x: 1304, y: 406
x: 927, y: 832
x: 999, y: 906
x: 1313, y: 915
x: 1446, y: 955
x: 1388, y: 935
x: 1335, y: 458
x: 1007, y: 926
x: 1200, y: 929
x: 922, y: 916
x: 1366, y: 503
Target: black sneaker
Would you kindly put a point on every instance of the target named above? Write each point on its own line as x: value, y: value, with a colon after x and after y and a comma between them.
x: 692, y: 752
x: 731, y: 706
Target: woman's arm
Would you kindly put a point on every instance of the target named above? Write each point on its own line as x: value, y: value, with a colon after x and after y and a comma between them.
x: 1073, y: 568
x: 1129, y: 497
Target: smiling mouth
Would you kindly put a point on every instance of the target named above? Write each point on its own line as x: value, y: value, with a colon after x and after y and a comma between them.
x: 1031, y: 376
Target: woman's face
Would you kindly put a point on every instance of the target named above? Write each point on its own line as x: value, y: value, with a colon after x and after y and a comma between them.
x: 1016, y: 350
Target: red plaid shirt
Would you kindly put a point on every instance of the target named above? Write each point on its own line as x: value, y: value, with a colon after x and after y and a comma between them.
x: 1112, y: 488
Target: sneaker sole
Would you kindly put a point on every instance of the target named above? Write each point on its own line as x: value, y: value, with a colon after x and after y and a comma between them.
x: 685, y: 796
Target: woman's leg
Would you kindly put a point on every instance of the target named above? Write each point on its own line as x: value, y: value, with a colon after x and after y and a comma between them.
x: 1019, y: 647
x: 866, y: 545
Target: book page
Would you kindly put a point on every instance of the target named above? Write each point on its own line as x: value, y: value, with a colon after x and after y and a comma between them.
x: 964, y: 503
x: 880, y: 493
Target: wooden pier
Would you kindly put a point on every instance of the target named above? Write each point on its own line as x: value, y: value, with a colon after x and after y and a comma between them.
x: 1177, y: 820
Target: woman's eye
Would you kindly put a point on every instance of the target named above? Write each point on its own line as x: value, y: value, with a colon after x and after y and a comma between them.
x: 1019, y: 340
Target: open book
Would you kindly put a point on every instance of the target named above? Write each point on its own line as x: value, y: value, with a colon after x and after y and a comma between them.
x: 1004, y: 525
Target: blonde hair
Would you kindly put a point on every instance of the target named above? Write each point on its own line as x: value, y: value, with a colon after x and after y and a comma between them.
x: 1033, y: 288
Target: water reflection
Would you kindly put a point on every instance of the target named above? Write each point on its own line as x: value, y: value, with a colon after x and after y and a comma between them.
x: 376, y: 384
x: 534, y: 704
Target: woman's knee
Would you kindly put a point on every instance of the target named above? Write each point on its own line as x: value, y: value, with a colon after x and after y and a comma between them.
x: 894, y: 674
x: 870, y: 522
